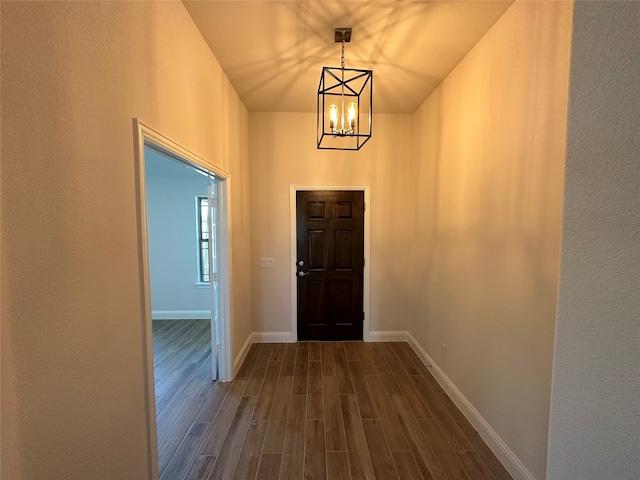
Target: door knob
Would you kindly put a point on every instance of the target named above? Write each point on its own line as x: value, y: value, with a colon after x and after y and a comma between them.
x: 302, y: 274
x: 301, y: 263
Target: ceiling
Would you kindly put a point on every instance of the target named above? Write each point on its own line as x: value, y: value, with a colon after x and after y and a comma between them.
x: 160, y: 164
x: 273, y: 51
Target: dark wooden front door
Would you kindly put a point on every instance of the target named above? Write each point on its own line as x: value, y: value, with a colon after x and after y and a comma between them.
x: 330, y: 263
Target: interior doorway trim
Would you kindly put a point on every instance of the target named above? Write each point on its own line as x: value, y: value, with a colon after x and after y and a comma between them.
x: 293, y: 189
x: 143, y: 134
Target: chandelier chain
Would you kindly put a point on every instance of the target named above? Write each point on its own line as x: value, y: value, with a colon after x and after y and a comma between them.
x: 342, y: 83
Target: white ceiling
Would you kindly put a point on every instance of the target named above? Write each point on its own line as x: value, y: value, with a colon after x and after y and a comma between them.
x: 273, y: 51
x: 159, y: 164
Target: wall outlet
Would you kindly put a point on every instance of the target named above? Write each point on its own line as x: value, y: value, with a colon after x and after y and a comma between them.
x: 267, y: 263
x: 443, y: 350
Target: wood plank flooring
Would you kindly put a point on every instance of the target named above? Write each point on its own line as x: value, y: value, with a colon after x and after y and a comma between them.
x: 330, y: 410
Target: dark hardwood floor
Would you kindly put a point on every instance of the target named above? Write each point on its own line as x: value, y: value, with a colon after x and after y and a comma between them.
x: 308, y: 411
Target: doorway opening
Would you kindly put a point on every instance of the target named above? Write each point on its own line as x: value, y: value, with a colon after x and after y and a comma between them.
x: 184, y: 252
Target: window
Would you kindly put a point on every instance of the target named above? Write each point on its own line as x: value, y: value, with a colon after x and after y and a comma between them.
x: 203, y: 240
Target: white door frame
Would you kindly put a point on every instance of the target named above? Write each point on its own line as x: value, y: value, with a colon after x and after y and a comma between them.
x: 366, y: 287
x: 143, y: 134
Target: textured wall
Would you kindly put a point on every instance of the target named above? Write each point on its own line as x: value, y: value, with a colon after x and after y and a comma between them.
x: 283, y: 153
x: 595, y: 406
x: 74, y: 74
x: 173, y: 238
x: 485, y: 239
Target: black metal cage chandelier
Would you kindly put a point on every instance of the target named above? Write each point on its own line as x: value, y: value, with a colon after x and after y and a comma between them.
x: 345, y: 100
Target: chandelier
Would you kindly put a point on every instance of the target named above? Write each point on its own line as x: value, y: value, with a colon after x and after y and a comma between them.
x: 344, y: 108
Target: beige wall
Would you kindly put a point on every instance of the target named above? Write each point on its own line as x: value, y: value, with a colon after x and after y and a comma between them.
x: 594, y: 428
x: 283, y: 153
x: 74, y: 74
x: 490, y: 146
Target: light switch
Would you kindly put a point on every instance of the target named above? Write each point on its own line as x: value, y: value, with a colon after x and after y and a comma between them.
x: 267, y: 263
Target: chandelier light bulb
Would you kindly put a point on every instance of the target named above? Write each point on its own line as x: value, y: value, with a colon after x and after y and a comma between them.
x: 333, y: 116
x: 352, y: 116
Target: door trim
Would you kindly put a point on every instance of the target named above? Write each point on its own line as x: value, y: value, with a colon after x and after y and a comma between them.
x: 293, y: 189
x: 143, y: 134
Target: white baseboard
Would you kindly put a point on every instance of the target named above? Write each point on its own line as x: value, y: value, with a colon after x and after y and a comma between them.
x: 386, y: 336
x: 288, y: 337
x: 181, y: 314
x: 506, y: 456
x: 241, y: 355
x: 273, y: 337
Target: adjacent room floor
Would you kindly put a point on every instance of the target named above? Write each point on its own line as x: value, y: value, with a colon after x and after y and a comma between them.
x: 330, y: 410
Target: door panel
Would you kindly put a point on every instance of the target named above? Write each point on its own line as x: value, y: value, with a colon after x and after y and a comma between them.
x: 344, y: 248
x: 317, y: 249
x: 330, y: 263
